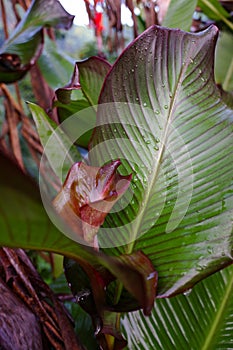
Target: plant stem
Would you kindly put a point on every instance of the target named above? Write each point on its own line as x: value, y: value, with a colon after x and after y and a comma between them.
x: 3, y: 10
x: 228, y: 77
x: 223, y: 18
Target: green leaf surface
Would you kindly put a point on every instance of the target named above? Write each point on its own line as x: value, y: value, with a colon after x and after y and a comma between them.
x: 179, y: 14
x: 92, y: 73
x: 21, y: 50
x: 214, y: 10
x: 57, y: 146
x: 199, y: 320
x: 224, y: 72
x: 82, y: 92
x: 162, y: 115
x: 55, y: 66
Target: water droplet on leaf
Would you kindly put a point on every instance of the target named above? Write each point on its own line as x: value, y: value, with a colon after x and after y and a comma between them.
x: 187, y: 292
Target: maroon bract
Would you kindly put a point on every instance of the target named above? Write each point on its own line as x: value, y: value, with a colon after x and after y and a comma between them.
x: 88, y: 195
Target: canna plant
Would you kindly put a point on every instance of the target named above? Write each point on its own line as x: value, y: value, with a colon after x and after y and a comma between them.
x: 147, y: 214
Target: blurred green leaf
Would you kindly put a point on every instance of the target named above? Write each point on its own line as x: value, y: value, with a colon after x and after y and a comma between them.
x: 55, y: 66
x: 59, y: 150
x: 179, y: 14
x: 224, y: 61
x: 214, y: 10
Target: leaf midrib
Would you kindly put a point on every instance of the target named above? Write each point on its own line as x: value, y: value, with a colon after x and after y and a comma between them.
x: 210, y: 340
x: 155, y: 169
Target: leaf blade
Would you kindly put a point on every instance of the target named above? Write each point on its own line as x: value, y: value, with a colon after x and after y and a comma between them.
x: 57, y: 146
x: 173, y: 98
x: 205, y: 309
x: 179, y: 14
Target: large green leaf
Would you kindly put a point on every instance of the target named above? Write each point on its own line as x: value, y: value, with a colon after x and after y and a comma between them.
x: 201, y: 319
x: 21, y: 50
x: 179, y: 14
x: 161, y: 114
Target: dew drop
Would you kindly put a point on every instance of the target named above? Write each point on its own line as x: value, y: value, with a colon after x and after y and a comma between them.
x: 157, y: 111
x: 144, y: 104
x: 132, y: 70
x: 187, y: 292
x: 157, y: 140
x: 203, y: 79
x: 137, y: 99
x: 148, y: 142
x: 191, y: 60
x: 165, y: 106
x: 199, y: 267
x: 115, y: 130
x: 156, y: 148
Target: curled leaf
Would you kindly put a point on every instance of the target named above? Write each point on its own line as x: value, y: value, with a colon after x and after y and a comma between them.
x: 88, y: 195
x: 25, y: 44
x: 139, y: 277
x: 80, y: 93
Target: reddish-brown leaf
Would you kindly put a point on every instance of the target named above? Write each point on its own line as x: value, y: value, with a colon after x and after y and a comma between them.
x: 88, y: 195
